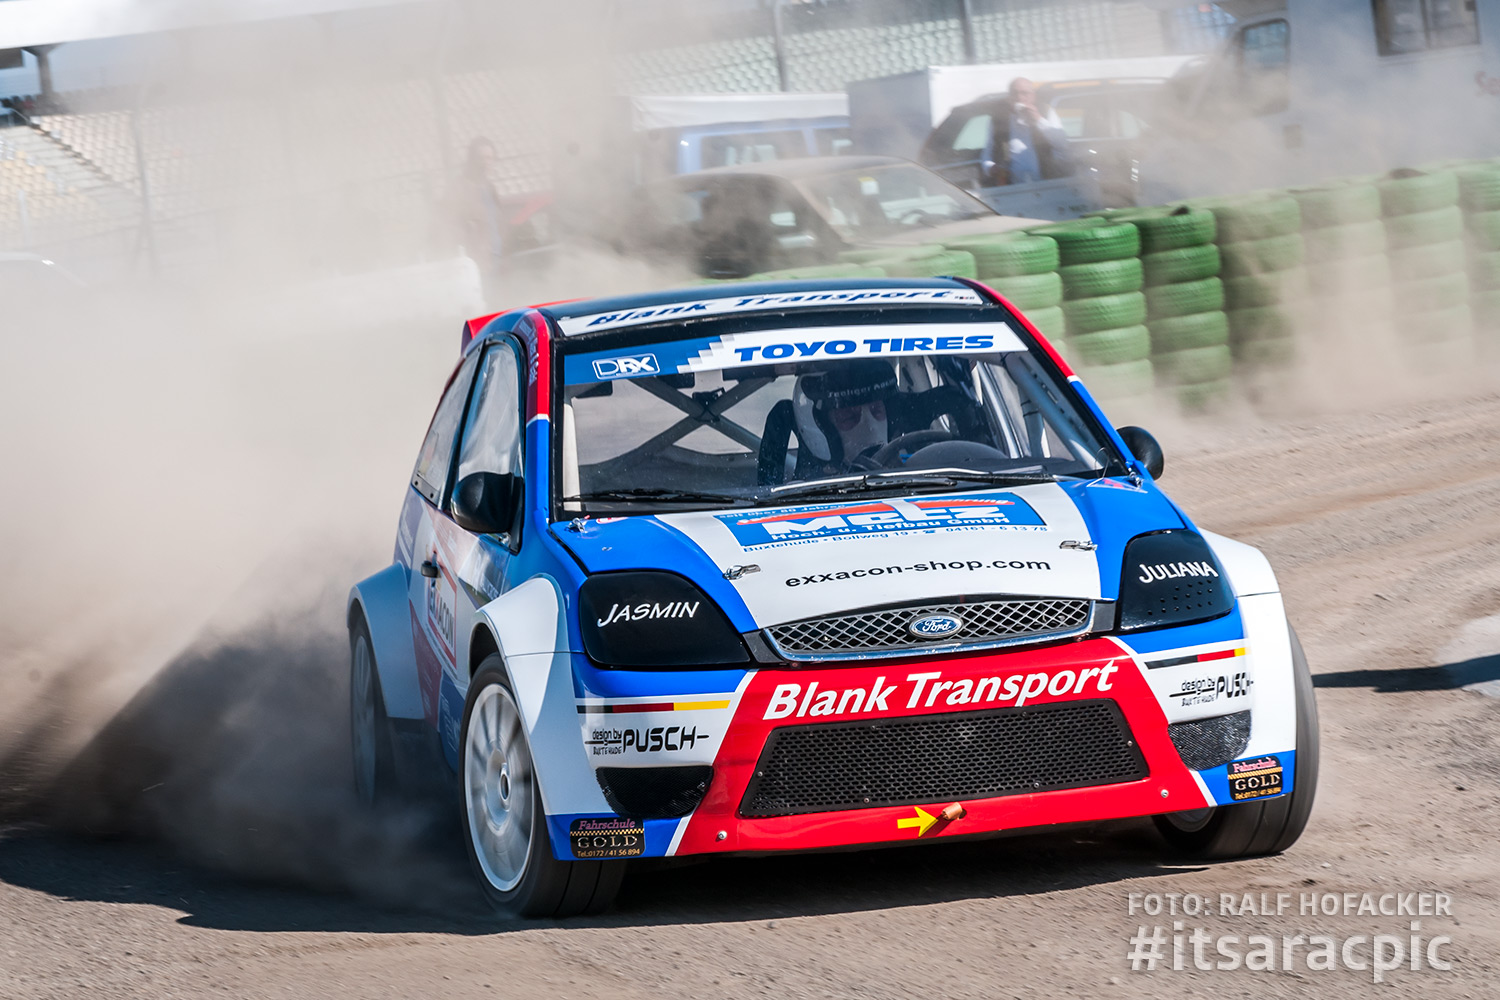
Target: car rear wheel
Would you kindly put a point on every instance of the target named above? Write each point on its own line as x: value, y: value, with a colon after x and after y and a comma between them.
x: 1267, y: 827
x: 504, y: 822
x: 369, y: 730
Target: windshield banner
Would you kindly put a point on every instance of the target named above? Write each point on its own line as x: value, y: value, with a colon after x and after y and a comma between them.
x: 775, y: 301
x: 764, y: 347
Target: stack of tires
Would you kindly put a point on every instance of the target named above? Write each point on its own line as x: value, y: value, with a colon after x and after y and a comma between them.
x: 926, y: 261
x: 812, y: 271
x: 1265, y: 283
x: 1479, y: 197
x: 1023, y: 268
x: 1185, y: 304
x: 1347, y: 267
x: 1425, y: 232
x: 1103, y: 307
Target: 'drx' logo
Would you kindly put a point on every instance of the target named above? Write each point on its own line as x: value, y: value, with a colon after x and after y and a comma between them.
x: 628, y: 367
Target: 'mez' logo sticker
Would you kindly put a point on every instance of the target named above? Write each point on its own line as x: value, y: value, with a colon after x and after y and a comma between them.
x: 880, y: 517
x: 627, y: 367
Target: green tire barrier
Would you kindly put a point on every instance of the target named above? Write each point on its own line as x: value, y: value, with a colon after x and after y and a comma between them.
x: 821, y: 271
x: 1183, y: 264
x: 1203, y: 395
x: 1337, y: 206
x: 1275, y: 353
x: 1265, y: 323
x: 1418, y: 193
x: 1195, y: 364
x: 1484, y: 231
x: 1431, y: 261
x: 1107, y: 277
x: 1183, y: 298
x: 1030, y: 291
x: 1124, y: 381
x: 957, y: 263
x: 1051, y: 323
x: 1354, y: 274
x: 1007, y: 255
x: 1440, y: 225
x: 1479, y: 188
x: 1428, y: 295
x: 1270, y: 289
x: 1164, y: 229
x: 1088, y: 241
x: 1484, y: 272
x: 1357, y: 239
x: 1274, y: 253
x: 1182, y: 333
x: 1105, y: 312
x: 1255, y: 217
x: 1111, y: 347
x: 877, y: 254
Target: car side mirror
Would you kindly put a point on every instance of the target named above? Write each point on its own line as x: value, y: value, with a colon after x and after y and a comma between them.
x: 1144, y: 448
x: 487, y: 503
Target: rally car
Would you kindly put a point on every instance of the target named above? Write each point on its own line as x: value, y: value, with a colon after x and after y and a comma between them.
x: 805, y: 565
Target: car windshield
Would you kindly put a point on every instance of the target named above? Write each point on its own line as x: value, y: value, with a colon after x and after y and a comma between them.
x: 872, y: 203
x: 787, y: 415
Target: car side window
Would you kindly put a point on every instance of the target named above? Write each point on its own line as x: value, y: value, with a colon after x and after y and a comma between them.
x: 430, y: 476
x: 492, y: 431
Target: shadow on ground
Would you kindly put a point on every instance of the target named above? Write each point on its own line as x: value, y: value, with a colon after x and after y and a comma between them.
x: 1446, y: 677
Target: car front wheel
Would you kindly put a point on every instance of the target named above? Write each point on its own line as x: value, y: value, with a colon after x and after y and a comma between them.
x: 504, y: 822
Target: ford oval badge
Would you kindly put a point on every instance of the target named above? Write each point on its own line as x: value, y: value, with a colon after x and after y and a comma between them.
x: 935, y: 626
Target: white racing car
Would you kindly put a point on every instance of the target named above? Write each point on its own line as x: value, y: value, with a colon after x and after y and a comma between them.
x: 809, y: 565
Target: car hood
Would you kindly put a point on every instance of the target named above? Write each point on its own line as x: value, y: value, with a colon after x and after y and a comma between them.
x: 955, y: 230
x: 768, y: 565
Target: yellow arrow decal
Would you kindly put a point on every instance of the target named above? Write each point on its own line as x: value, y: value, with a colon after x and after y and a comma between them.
x: 923, y: 821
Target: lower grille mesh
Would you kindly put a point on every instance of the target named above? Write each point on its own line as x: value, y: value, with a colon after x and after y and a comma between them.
x: 1210, y: 742
x: 940, y: 758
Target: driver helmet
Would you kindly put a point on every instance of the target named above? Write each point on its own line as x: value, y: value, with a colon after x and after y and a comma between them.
x: 840, y: 411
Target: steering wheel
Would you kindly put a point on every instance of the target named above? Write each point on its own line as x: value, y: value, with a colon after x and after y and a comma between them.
x: 912, y: 440
x: 917, y: 215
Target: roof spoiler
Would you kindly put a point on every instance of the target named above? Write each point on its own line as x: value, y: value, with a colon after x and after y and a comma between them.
x: 471, y: 330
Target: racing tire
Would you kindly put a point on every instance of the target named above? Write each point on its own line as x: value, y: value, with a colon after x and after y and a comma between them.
x: 1050, y: 323
x: 1479, y: 188
x: 1167, y: 267
x: 1185, y: 298
x: 1418, y: 193
x: 1249, y: 829
x: 1275, y: 253
x: 1088, y: 241
x: 1484, y: 231
x: 1009, y: 256
x: 1338, y: 206
x: 1200, y: 396
x: 955, y: 263
x: 1194, y: 365
x: 1107, y: 277
x: 1111, y: 347
x: 505, y: 826
x: 1176, y: 230
x: 1265, y: 323
x: 1270, y: 289
x: 1105, y: 312
x: 371, y: 749
x: 1183, y: 333
x: 1030, y: 291
x: 1419, y: 229
x: 1358, y: 239
x: 1353, y: 274
x: 1257, y: 218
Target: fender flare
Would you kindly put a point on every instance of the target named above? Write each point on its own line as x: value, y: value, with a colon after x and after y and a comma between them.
x: 1248, y: 568
x: 383, y: 601
x: 529, y: 631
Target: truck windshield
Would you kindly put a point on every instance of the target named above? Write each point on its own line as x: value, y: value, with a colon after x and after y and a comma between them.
x: 756, y: 418
x: 876, y: 202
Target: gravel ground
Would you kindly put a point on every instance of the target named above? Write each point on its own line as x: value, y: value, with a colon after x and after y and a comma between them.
x: 235, y: 866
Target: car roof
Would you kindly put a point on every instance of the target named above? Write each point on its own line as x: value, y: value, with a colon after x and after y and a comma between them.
x: 805, y: 166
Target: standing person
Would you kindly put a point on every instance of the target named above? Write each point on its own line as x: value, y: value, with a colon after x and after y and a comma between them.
x: 1027, y: 142
x: 478, y: 213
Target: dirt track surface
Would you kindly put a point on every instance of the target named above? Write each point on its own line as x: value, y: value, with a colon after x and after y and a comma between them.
x: 1383, y: 530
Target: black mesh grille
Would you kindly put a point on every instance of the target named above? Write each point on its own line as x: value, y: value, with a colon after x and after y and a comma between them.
x: 942, y: 758
x: 886, y: 628
x: 1208, y: 743
x: 654, y: 792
